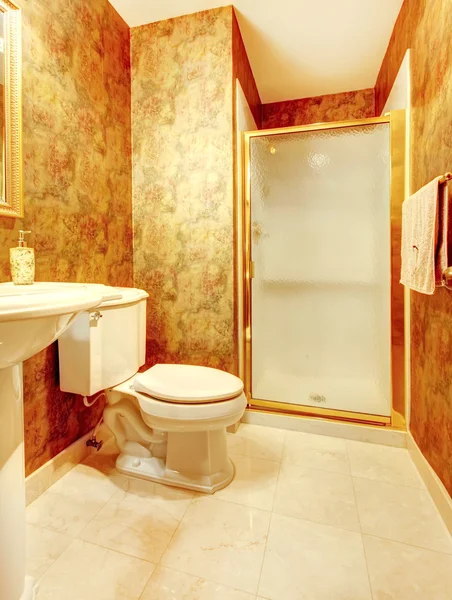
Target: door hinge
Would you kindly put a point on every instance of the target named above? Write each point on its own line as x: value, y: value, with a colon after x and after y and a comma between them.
x: 251, y: 269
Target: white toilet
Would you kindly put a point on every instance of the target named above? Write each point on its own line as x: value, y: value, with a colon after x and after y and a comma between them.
x: 169, y: 421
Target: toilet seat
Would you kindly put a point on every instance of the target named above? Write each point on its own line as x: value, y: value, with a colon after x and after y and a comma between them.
x: 187, y: 397
x: 183, y: 413
x: 187, y: 384
x: 171, y: 415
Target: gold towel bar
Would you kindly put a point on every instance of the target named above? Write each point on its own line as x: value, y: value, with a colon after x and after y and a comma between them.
x: 447, y: 273
x: 447, y: 278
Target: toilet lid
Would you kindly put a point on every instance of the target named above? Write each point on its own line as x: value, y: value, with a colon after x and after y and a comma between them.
x: 187, y: 384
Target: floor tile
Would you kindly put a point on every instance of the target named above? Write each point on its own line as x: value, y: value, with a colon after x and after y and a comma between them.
x: 44, y: 546
x: 254, y: 482
x: 401, y: 572
x: 221, y: 542
x: 88, y: 571
x: 257, y: 441
x: 70, y: 504
x: 166, y: 584
x: 403, y: 514
x: 393, y: 465
x: 316, y: 495
x: 62, y: 513
x: 310, y: 561
x: 139, y: 520
x: 85, y: 480
x: 316, y: 452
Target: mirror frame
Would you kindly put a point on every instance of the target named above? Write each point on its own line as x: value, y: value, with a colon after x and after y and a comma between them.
x: 12, y: 204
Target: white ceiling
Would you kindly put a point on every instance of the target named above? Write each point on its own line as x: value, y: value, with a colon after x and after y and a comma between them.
x: 297, y: 48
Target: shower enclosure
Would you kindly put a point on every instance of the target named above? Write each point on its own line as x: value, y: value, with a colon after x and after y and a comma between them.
x: 323, y: 309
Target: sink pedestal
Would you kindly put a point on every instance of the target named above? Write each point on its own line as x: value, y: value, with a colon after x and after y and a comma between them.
x: 14, y: 585
x: 31, y: 318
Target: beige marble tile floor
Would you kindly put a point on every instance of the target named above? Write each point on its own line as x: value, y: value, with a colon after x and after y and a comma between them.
x: 307, y: 517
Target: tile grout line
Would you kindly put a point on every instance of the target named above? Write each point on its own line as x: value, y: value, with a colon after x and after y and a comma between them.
x: 276, y: 488
x: 38, y: 579
x: 377, y: 537
x: 96, y: 545
x: 267, y: 460
x: 425, y: 492
x: 360, y: 526
x: 306, y: 520
x: 421, y: 485
x: 401, y: 485
x: 211, y: 498
x: 263, y: 556
x: 174, y: 532
x: 76, y: 536
x: 121, y: 489
x: 145, y: 585
x: 280, y: 514
x: 271, y: 517
x: 388, y: 539
x: 121, y: 552
x: 227, y: 587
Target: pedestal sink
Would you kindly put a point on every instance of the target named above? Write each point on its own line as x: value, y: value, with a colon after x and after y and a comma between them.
x: 31, y: 318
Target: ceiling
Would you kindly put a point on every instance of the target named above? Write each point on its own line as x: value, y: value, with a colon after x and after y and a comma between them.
x: 297, y: 48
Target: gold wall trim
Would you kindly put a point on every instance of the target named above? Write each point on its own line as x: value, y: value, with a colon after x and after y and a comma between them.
x: 317, y: 126
x: 246, y: 264
x: 12, y: 204
x: 397, y: 196
x: 396, y: 120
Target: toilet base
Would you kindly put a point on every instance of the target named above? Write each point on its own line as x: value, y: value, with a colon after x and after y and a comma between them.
x: 155, y: 469
x: 180, y: 445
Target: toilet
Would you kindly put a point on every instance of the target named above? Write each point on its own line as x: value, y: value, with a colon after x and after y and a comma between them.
x: 170, y: 421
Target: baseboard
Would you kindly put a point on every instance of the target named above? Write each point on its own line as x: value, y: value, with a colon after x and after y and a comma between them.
x: 435, y: 486
x: 349, y: 431
x: 44, y: 477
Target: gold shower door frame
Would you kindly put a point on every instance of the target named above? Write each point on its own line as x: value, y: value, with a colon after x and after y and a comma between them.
x: 396, y: 121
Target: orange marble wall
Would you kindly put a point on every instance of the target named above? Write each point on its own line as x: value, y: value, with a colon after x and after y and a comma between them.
x: 331, y: 107
x: 77, y: 182
x: 426, y: 28
x: 182, y: 115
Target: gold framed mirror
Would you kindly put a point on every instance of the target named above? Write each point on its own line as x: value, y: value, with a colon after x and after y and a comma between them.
x: 11, y: 195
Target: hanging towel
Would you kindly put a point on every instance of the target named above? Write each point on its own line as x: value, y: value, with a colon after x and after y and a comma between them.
x: 425, y: 217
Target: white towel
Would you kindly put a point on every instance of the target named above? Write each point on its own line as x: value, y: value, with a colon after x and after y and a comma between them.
x: 424, y: 237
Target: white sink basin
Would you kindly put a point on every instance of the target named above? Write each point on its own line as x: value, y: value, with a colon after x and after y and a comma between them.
x: 31, y: 318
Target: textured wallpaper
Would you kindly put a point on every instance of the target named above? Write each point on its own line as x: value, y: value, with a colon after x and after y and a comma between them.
x: 77, y: 182
x: 182, y: 115
x: 427, y: 31
x: 332, y: 107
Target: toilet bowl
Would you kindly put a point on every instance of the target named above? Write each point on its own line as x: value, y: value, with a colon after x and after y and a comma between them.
x: 170, y: 421
x: 186, y: 410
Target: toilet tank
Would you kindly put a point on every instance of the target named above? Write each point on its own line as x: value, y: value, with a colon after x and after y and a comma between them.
x: 104, y: 346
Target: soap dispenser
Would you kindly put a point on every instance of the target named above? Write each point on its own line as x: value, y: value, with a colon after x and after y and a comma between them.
x: 22, y: 261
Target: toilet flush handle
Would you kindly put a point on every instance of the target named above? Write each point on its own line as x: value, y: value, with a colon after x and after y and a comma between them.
x: 97, y: 315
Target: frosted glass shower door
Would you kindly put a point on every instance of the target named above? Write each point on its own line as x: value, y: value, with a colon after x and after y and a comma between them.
x: 320, y: 243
